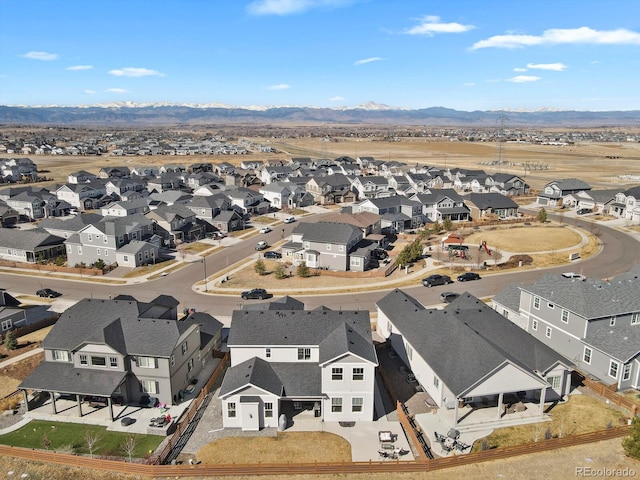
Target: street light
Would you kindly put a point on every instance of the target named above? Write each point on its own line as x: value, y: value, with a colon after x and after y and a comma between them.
x: 204, y: 263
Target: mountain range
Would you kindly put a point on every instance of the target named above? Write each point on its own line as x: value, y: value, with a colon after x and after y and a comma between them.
x: 149, y: 114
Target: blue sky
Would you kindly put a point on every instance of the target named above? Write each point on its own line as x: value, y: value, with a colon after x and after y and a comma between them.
x: 467, y: 55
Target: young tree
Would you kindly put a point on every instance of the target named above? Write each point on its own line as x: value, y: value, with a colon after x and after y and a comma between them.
x: 415, y: 251
x: 542, y: 215
x: 10, y: 341
x: 303, y: 270
x: 437, y: 227
x: 280, y: 272
x: 128, y: 446
x: 260, y: 267
x: 91, y: 438
x: 631, y: 443
x: 447, y: 224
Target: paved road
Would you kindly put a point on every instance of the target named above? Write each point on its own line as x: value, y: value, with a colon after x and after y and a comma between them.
x: 620, y: 252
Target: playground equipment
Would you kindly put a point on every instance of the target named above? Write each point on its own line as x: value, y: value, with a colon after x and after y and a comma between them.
x: 484, y: 245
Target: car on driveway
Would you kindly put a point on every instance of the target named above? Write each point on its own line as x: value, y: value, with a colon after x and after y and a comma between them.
x: 436, y: 279
x: 265, y: 229
x: 584, y: 211
x: 272, y: 254
x: 48, y: 293
x: 262, y: 245
x: 448, y: 297
x: 255, y: 293
x: 468, y: 276
x: 289, y: 220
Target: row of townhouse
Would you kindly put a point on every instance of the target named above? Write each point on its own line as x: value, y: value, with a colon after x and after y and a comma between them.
x: 594, y: 323
x: 14, y: 170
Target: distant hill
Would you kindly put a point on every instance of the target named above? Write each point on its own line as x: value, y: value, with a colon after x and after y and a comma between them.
x: 370, y: 113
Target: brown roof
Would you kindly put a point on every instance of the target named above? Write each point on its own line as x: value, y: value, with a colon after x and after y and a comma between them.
x: 361, y: 219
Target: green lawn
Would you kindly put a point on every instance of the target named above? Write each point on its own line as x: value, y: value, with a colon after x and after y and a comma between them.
x: 71, y: 438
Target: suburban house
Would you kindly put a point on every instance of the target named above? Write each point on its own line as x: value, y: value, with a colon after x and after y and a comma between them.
x: 15, y: 169
x: 30, y: 246
x: 125, y: 208
x: 28, y: 205
x: 103, y: 239
x: 276, y: 193
x: 506, y: 184
x: 81, y: 176
x: 594, y: 323
x: 397, y: 213
x: 483, y: 205
x: 65, y: 227
x: 274, y: 173
x: 175, y: 224
x: 329, y: 246
x: 468, y: 358
x: 594, y: 200
x: 287, y: 362
x: 8, y: 215
x: 330, y: 189
x: 249, y: 201
x: 14, y: 315
x: 84, y: 196
x: 114, y: 172
x: 372, y: 187
x: 441, y: 204
x: 554, y: 191
x: 627, y: 205
x: 123, y: 351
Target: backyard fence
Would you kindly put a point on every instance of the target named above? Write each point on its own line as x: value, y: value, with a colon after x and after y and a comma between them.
x: 608, y: 392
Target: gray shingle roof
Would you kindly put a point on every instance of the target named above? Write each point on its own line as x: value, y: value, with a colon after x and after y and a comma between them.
x: 284, y: 303
x: 28, y: 240
x: 255, y: 372
x: 491, y: 200
x: 63, y: 377
x: 327, y: 232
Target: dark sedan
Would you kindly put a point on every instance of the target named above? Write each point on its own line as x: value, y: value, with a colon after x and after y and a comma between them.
x: 272, y: 254
x: 468, y: 276
x: 48, y: 293
x: 436, y: 279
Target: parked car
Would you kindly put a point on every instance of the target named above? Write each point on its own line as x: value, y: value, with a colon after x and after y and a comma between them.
x: 272, y: 254
x: 583, y: 211
x: 48, y: 293
x: 379, y: 254
x: 265, y: 229
x: 218, y: 235
x: 436, y: 279
x: 289, y: 220
x: 448, y: 297
x: 468, y: 276
x: 262, y: 245
x: 259, y: 293
x: 577, y: 276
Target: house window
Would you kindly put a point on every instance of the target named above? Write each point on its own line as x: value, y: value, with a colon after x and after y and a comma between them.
x: 149, y: 386
x: 146, y: 362
x: 106, y: 253
x: 185, y: 348
x: 89, y: 237
x: 126, y: 258
x: 61, y: 355
x: 613, y: 369
x: 267, y: 352
x: 98, y: 361
x: 336, y: 373
x: 505, y: 313
x: 105, y: 239
x: 534, y: 324
x: 565, y: 316
x: 190, y: 365
x: 336, y: 405
x: 551, y: 306
x: 355, y: 261
x: 297, y: 405
x: 635, y: 319
x: 268, y: 410
x: 548, y: 332
x: 586, y: 355
x: 113, y: 362
x: 626, y: 372
x: 612, y: 321
x: 6, y: 325
x: 536, y: 303
x: 358, y: 373
x: 231, y: 409
x: 173, y: 361
x: 555, y: 382
x: 79, y: 250
x: 98, y: 251
x: 83, y: 359
x: 304, y: 354
x: 356, y: 404
x: 341, y: 248
x: 409, y: 351
x: 436, y: 381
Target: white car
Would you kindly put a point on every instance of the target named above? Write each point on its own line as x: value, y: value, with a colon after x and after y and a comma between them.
x: 265, y: 229
x: 577, y: 276
x: 289, y: 220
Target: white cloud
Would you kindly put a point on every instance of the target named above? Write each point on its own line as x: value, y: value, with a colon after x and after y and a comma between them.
x: 556, y: 36
x: 431, y: 25
x: 41, y: 56
x: 519, y: 69
x: 135, y: 72
x: 90, y: 92
x: 287, y: 7
x: 469, y: 84
x: 556, y: 67
x: 116, y: 90
x: 79, y: 67
x: 337, y: 99
x: 523, y: 79
x: 280, y: 86
x: 367, y: 60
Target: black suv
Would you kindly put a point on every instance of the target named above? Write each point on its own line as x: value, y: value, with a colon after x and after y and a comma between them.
x: 467, y: 276
x: 48, y: 293
x: 272, y: 254
x: 259, y: 293
x: 436, y: 279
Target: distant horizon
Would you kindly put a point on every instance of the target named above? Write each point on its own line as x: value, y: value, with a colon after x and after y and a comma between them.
x: 467, y: 55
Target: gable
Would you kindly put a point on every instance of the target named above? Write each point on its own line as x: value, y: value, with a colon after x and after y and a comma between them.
x: 505, y: 375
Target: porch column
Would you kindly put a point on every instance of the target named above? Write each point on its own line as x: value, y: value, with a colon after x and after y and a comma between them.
x: 109, y: 402
x: 53, y: 402
x: 25, y: 398
x: 543, y: 392
x: 455, y: 413
x: 500, y: 405
x: 79, y: 405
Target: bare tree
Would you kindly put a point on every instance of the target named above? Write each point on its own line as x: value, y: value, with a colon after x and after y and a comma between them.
x: 91, y: 438
x: 129, y: 446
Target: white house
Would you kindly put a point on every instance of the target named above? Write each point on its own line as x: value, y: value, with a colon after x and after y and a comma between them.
x: 292, y: 361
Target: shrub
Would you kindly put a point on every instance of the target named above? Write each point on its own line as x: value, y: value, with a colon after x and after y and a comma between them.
x: 60, y: 261
x: 260, y: 267
x: 303, y: 270
x: 10, y: 403
x: 10, y: 341
x: 542, y: 215
x: 280, y: 272
x: 99, y: 264
x: 631, y: 443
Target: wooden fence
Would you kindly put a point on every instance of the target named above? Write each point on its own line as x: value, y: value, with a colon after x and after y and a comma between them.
x: 46, y: 322
x: 387, y: 466
x: 608, y: 392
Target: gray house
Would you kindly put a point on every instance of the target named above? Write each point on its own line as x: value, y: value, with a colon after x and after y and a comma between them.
x: 29, y: 245
x: 554, y: 191
x: 123, y: 352
x: 594, y: 323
